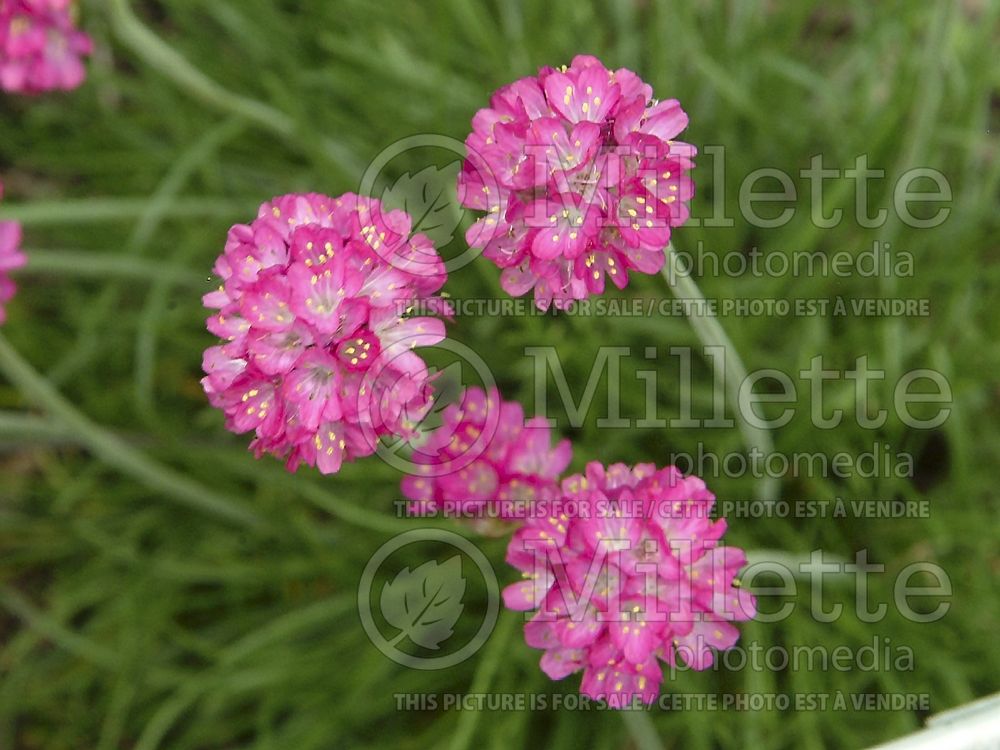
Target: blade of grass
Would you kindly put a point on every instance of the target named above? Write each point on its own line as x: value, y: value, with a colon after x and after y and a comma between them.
x: 101, y: 265
x: 116, y: 452
x: 155, y: 211
x: 731, y: 370
x: 98, y: 210
x: 156, y: 53
x: 489, y: 663
x: 31, y: 428
x: 156, y: 302
x: 640, y: 727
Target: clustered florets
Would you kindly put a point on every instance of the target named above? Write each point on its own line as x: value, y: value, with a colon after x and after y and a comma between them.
x: 11, y: 258
x: 580, y: 179
x: 41, y: 49
x: 318, y: 359
x: 625, y: 571
x: 485, y: 462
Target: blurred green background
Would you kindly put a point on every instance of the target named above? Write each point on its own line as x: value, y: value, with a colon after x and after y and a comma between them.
x: 138, y: 609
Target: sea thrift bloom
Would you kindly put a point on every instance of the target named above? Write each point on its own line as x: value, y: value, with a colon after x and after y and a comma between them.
x: 580, y: 179
x: 10, y: 258
x: 625, y: 570
x: 485, y: 462
x: 40, y: 47
x: 317, y: 358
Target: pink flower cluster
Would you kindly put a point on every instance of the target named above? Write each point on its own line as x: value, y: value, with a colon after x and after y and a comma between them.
x: 580, y: 179
x: 485, y: 463
x: 317, y: 356
x: 625, y: 570
x: 11, y: 257
x: 40, y: 47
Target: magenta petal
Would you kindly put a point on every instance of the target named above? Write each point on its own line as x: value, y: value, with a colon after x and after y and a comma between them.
x: 595, y: 145
x: 558, y: 663
x: 616, y: 620
x: 314, y: 306
x: 40, y: 48
x: 517, y: 281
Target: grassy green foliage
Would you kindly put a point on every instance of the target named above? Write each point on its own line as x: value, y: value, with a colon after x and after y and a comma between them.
x: 161, y: 588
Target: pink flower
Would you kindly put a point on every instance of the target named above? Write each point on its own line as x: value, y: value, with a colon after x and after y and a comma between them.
x: 40, y: 47
x: 580, y: 179
x: 485, y: 462
x: 11, y: 257
x: 317, y: 355
x: 625, y: 570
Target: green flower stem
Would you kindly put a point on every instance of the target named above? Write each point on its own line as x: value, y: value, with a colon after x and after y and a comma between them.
x: 200, y: 152
x: 47, y: 626
x: 926, y: 109
x: 362, y: 517
x: 102, y: 265
x: 152, y: 50
x: 731, y: 371
x: 231, y: 665
x: 640, y: 726
x: 486, y: 670
x: 794, y: 561
x: 114, y: 451
x: 95, y: 210
x: 29, y: 427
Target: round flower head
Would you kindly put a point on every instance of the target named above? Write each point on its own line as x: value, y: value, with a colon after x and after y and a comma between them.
x: 485, y: 463
x: 580, y: 179
x: 11, y: 257
x: 317, y: 359
x: 40, y: 47
x: 625, y: 570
